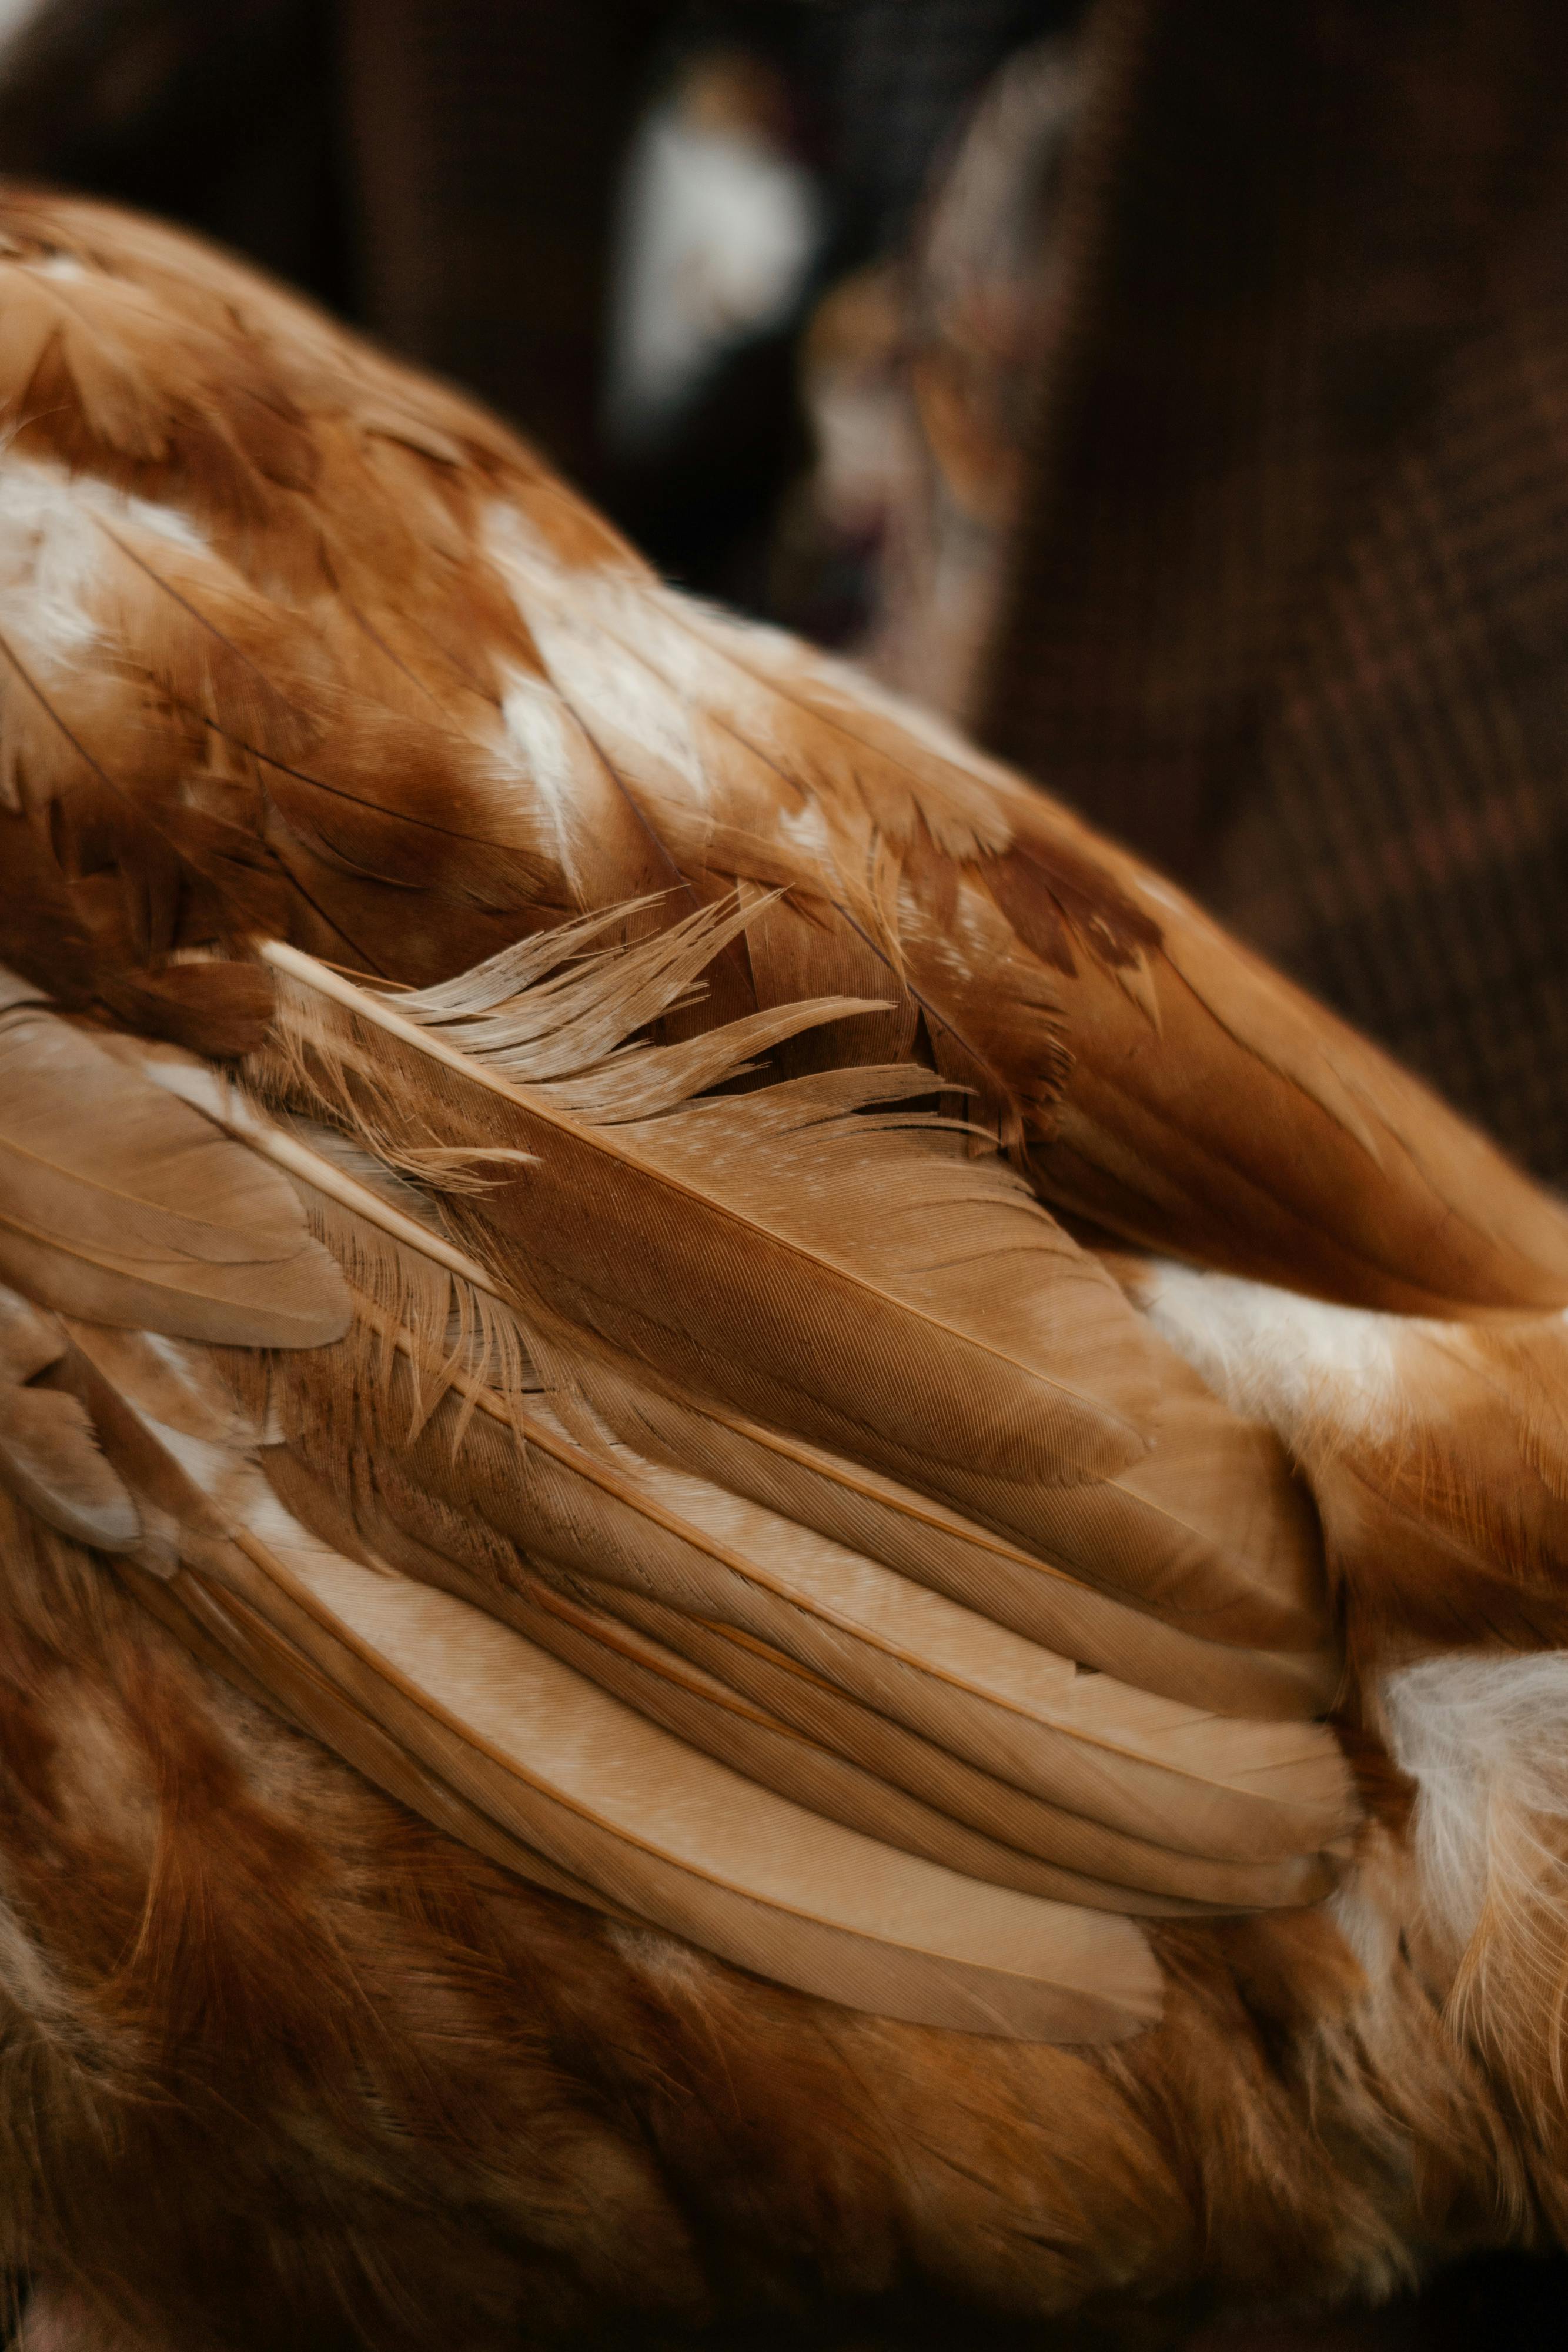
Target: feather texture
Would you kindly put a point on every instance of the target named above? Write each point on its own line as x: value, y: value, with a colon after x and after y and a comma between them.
x: 118, y: 1203
x: 511, y: 1503
x: 844, y: 1279
x: 578, y: 1328
x: 452, y: 709
x: 582, y: 1503
x: 606, y: 1797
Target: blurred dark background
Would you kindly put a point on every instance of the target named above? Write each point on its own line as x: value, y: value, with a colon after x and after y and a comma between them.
x: 1174, y: 392
x: 450, y: 175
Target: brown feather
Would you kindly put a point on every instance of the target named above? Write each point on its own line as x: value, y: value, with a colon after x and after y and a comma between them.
x: 118, y: 1203
x: 580, y: 1525
x: 767, y: 1199
x: 295, y: 646
x: 661, y: 1830
x: 1162, y: 1082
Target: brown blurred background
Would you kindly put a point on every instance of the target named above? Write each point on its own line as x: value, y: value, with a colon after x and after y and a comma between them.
x: 1174, y: 392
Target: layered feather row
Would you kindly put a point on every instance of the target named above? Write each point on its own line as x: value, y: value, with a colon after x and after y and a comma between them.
x: 746, y: 1510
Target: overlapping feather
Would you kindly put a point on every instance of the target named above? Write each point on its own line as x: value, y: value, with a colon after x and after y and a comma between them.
x: 501, y: 1501
x: 571, y: 1786
x: 962, y: 1714
x: 845, y: 1273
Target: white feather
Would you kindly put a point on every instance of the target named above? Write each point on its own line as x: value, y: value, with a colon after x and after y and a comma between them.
x: 1485, y: 1737
x: 1275, y: 1356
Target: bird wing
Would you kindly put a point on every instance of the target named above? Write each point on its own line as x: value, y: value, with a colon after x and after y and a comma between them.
x: 528, y: 1119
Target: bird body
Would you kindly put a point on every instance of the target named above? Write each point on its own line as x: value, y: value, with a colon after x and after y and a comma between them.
x: 731, y: 1479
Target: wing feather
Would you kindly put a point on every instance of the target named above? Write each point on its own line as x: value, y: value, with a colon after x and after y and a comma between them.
x: 431, y: 1541
x: 119, y: 1203
x: 838, y: 1275
x: 606, y: 1796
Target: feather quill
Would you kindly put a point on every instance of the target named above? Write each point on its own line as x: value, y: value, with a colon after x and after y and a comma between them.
x: 606, y: 1796
x: 985, y: 1695
x: 834, y: 1268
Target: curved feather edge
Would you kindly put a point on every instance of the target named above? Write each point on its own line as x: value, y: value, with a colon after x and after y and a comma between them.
x: 610, y: 1799
x: 764, y: 1252
x: 1221, y: 1795
x: 689, y: 1844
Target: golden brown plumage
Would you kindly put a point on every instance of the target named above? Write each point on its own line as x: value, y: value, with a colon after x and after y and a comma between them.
x: 577, y: 1193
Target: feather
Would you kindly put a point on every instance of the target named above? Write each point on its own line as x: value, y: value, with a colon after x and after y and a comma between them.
x: 710, y: 1713
x: 605, y: 1795
x: 222, y: 1628
x: 589, y: 1517
x: 976, y: 1691
x: 824, y: 1603
x: 1037, y: 1597
x: 118, y: 1203
x: 950, y: 1336
x: 1447, y: 1505
x: 959, y: 1792
x: 1129, y: 1040
x: 687, y: 1198
x: 49, y: 1456
x: 684, y: 1842
x: 988, y: 1697
x: 910, y: 1722
x: 1156, y: 1769
x: 838, y: 1498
